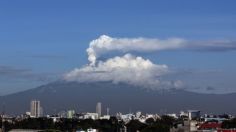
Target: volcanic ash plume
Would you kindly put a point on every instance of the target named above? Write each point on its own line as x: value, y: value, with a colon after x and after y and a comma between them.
x: 105, y: 44
x: 133, y: 69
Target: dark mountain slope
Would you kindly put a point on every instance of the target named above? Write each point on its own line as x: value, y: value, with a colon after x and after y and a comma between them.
x: 83, y: 97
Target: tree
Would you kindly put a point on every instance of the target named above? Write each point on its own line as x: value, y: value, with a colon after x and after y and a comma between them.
x: 156, y: 128
x: 135, y: 125
x: 228, y: 124
x: 150, y: 121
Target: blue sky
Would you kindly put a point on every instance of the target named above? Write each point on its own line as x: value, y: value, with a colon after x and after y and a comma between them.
x: 42, y: 40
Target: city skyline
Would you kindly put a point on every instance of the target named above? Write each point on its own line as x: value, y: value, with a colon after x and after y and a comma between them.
x: 186, y: 121
x: 118, y: 66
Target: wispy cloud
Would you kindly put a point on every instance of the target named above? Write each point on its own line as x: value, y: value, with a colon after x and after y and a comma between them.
x: 21, y: 73
x: 10, y: 71
x: 49, y: 57
x: 105, y: 44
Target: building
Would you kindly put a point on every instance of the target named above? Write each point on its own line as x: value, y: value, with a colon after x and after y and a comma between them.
x: 214, y: 119
x: 108, y: 111
x: 88, y: 130
x: 210, y: 125
x: 99, y: 109
x: 138, y: 114
x: 194, y: 114
x: 35, y: 109
x: 62, y: 114
x: 70, y: 114
x: 93, y: 116
x: 105, y: 117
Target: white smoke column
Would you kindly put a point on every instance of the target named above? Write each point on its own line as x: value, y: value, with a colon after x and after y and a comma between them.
x: 105, y: 44
x: 99, y: 43
x: 136, y: 70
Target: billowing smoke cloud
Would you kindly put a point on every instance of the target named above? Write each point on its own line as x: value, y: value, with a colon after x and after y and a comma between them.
x: 106, y: 44
x: 128, y: 69
x: 132, y: 69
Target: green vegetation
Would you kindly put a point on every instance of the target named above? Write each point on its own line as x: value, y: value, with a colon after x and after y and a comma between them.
x: 112, y: 125
x: 228, y: 124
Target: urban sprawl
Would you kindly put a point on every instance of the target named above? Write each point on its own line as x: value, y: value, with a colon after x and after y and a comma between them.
x: 71, y: 121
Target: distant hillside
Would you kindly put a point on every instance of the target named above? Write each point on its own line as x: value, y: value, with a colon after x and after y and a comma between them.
x: 82, y: 97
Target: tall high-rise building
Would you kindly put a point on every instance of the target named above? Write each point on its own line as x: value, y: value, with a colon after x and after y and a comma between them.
x: 70, y: 114
x: 99, y: 109
x: 35, y: 109
x: 108, y: 111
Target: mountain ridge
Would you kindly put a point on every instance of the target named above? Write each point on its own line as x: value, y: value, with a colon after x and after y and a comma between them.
x: 61, y: 95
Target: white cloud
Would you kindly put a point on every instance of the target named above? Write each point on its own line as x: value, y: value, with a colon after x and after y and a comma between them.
x: 128, y: 69
x: 106, y: 44
x: 136, y: 70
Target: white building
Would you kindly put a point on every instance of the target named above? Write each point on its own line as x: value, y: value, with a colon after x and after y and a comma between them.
x: 99, y: 109
x: 92, y: 130
x: 70, y: 114
x: 105, y: 117
x: 138, y: 114
x: 93, y: 116
x: 173, y: 115
x: 88, y: 130
x: 35, y: 109
x: 182, y: 113
x: 127, y: 117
